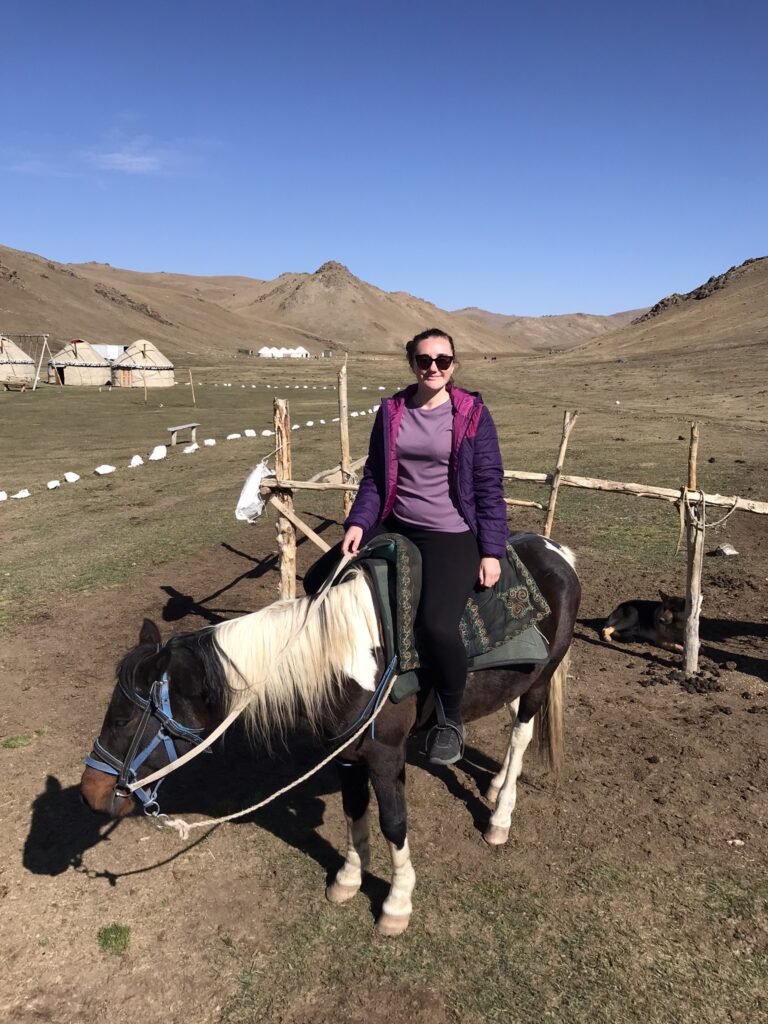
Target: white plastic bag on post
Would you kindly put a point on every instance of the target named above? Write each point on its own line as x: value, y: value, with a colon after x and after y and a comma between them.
x: 250, y: 504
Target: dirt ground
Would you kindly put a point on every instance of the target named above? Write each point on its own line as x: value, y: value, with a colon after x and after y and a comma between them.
x: 632, y: 890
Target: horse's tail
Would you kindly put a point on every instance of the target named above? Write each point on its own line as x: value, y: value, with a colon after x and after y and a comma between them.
x: 550, y: 736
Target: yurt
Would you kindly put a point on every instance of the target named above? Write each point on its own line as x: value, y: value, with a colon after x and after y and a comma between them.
x: 14, y: 363
x: 78, y: 363
x: 142, y: 364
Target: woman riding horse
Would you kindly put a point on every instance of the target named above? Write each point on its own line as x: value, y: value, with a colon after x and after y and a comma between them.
x: 434, y: 474
x: 287, y: 668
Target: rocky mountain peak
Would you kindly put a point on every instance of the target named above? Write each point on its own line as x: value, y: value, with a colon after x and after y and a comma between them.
x: 704, y: 291
x: 334, y: 273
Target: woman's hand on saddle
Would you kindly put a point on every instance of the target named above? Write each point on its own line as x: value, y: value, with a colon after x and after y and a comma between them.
x: 351, y: 543
x: 490, y: 570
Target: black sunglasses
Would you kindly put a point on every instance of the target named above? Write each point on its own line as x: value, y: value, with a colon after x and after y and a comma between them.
x: 442, y: 362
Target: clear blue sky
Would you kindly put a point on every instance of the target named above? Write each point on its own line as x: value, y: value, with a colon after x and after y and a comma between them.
x: 530, y: 158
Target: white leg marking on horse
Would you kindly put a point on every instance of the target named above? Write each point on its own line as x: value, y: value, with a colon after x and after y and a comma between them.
x: 397, y: 908
x: 349, y: 877
x: 498, y: 829
x: 494, y: 787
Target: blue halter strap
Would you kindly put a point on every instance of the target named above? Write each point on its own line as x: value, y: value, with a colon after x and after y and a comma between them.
x: 157, y: 706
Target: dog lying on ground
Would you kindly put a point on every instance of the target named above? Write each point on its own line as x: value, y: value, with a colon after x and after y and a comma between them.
x: 661, y: 622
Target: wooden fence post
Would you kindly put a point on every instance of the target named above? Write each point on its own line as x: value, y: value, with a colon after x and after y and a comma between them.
x: 286, y: 532
x: 695, y: 520
x: 346, y: 476
x: 569, y: 421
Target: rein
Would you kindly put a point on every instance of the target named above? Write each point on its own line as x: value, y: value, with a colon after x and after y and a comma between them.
x: 158, y: 706
x: 383, y: 691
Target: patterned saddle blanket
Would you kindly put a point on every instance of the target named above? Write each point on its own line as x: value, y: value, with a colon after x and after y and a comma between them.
x: 498, y: 626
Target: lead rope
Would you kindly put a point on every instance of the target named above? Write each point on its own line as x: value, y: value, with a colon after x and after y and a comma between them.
x: 223, y: 726
x: 184, y: 827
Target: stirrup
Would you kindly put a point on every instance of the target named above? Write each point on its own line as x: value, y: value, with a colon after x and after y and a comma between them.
x: 452, y: 732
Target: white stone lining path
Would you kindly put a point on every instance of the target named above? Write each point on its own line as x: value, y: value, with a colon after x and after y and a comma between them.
x: 160, y: 451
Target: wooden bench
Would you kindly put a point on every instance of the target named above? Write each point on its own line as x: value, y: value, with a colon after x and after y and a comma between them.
x: 191, y: 427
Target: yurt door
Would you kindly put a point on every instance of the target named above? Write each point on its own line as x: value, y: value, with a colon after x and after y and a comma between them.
x: 125, y: 378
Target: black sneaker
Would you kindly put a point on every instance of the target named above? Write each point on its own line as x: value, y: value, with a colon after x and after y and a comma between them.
x: 445, y: 743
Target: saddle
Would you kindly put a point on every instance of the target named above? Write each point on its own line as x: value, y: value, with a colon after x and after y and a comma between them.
x: 498, y: 626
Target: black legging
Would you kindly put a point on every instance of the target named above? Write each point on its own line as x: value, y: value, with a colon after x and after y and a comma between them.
x: 450, y: 563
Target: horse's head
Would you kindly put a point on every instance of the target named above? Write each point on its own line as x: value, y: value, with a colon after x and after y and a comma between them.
x: 160, y: 707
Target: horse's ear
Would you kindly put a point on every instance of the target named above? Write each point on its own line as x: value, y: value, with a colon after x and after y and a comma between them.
x: 149, y: 634
x: 664, y: 597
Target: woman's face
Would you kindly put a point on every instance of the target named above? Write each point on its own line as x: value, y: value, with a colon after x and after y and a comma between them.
x: 432, y: 378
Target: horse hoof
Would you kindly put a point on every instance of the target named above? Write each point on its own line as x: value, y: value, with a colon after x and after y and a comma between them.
x: 495, y: 835
x: 492, y: 794
x: 390, y: 927
x: 337, y: 893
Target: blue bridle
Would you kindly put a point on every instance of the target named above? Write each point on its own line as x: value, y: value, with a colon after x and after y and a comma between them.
x: 157, y: 706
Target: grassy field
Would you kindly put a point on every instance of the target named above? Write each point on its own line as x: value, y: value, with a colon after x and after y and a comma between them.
x: 102, y: 530
x: 618, y: 897
x: 498, y: 951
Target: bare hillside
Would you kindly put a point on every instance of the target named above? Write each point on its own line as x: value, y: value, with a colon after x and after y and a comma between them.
x: 726, y: 313
x: 546, y: 333
x: 103, y: 305
x: 206, y: 319
x: 358, y: 314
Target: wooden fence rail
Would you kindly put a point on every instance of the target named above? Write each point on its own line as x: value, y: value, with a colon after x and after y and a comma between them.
x: 691, y: 500
x: 583, y: 482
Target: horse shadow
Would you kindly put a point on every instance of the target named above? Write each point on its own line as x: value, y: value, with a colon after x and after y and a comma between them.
x: 63, y: 829
x: 465, y: 781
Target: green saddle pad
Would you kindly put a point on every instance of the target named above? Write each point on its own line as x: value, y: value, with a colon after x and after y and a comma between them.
x: 498, y: 626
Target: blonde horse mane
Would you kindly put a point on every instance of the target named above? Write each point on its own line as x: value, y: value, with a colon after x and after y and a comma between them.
x: 290, y: 658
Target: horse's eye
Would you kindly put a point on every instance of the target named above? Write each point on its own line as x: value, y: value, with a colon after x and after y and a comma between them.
x: 120, y: 723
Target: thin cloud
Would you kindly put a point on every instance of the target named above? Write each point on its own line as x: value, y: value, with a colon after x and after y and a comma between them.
x: 135, y: 156
x: 117, y: 154
x: 129, y: 163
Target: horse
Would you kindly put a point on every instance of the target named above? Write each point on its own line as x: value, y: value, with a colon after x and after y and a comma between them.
x: 292, y: 667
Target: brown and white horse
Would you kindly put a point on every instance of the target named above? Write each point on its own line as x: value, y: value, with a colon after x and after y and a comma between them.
x: 294, y: 669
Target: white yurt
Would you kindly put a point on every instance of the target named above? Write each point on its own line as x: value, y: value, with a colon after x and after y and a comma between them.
x: 281, y: 353
x: 142, y: 364
x: 15, y: 364
x: 78, y: 363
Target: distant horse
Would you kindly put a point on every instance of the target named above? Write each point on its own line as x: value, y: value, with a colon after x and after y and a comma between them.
x: 295, y: 668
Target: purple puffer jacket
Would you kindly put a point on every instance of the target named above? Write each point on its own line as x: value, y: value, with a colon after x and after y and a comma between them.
x: 475, y: 473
